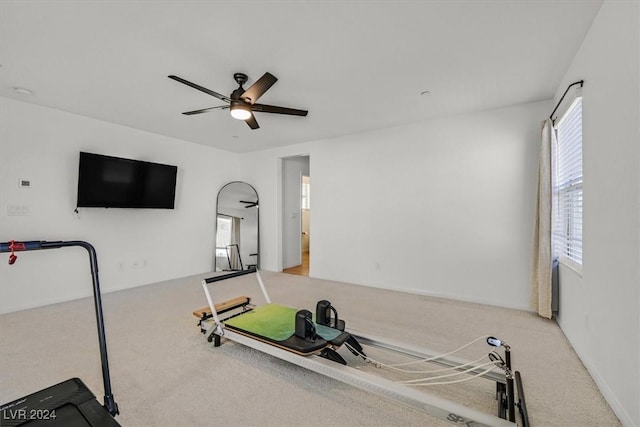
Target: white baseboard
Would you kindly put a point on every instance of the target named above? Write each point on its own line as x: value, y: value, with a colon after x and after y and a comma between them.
x: 602, y: 385
x: 456, y: 297
x: 70, y: 297
x: 41, y: 303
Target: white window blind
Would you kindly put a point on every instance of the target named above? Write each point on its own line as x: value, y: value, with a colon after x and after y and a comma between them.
x: 223, y: 235
x: 567, y: 185
x: 306, y: 192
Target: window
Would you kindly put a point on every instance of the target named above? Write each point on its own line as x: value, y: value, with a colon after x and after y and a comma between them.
x: 567, y: 186
x: 223, y: 236
x: 306, y: 192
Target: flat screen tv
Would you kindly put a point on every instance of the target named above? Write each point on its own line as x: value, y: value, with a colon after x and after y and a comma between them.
x: 114, y: 182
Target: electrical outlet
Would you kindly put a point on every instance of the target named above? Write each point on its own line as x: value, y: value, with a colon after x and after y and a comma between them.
x: 121, y: 266
x: 17, y: 210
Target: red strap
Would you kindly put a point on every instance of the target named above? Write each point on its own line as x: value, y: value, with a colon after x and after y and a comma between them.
x: 13, y: 246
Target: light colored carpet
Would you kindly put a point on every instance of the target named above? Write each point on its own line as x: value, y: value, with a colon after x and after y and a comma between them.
x: 165, y: 373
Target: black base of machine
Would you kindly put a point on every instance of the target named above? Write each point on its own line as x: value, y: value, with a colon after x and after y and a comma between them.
x: 67, y: 404
x: 332, y: 355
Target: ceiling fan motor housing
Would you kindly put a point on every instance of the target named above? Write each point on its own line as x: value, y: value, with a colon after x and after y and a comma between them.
x: 236, y: 95
x: 240, y: 78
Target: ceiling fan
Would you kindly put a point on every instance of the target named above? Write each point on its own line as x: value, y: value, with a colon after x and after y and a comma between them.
x: 242, y: 103
x: 249, y: 204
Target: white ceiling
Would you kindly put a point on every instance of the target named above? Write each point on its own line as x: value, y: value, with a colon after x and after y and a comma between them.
x: 355, y: 65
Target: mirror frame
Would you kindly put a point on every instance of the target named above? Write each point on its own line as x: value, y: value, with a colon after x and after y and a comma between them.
x: 215, y: 227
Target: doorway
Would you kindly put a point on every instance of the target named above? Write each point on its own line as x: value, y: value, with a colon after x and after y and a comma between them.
x: 296, y: 215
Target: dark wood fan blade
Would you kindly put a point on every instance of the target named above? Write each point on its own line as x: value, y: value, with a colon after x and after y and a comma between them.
x: 200, y: 88
x: 252, y: 122
x: 262, y: 108
x: 258, y: 89
x: 205, y: 110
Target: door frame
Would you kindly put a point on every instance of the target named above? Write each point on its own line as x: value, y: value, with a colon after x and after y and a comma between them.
x: 287, y: 213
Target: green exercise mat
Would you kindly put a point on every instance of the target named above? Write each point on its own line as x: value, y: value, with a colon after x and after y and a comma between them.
x: 275, y: 322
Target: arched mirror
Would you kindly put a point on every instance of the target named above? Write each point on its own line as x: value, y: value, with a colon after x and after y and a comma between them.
x: 237, y: 228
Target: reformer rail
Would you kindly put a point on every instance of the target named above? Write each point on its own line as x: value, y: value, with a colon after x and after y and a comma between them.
x: 427, y: 403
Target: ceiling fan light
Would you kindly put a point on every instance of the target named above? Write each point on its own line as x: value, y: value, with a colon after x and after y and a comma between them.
x: 240, y: 111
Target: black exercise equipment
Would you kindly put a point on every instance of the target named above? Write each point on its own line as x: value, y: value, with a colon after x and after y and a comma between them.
x: 324, y: 309
x: 69, y: 403
x: 522, y: 405
x: 237, y: 259
x: 304, y: 327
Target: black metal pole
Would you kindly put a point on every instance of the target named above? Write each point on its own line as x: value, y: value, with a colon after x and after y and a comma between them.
x: 511, y: 408
x: 522, y: 405
x: 229, y: 275
x: 109, y: 401
x: 511, y: 401
x: 580, y: 82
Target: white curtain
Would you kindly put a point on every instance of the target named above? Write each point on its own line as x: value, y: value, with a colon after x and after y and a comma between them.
x: 235, y: 262
x: 542, y: 252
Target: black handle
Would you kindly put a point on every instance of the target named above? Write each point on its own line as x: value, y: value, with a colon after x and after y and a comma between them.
x: 229, y: 276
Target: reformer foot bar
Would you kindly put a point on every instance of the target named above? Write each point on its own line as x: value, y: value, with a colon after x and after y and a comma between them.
x: 214, y: 328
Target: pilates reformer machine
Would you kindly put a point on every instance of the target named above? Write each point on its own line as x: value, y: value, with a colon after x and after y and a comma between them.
x: 297, y: 337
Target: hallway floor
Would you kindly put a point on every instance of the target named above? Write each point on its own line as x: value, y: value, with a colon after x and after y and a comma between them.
x: 302, y: 269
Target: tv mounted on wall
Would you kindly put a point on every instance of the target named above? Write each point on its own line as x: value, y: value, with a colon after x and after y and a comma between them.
x: 114, y: 182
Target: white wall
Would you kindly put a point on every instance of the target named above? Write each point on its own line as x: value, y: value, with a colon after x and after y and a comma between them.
x: 443, y: 207
x: 600, y: 310
x: 42, y: 145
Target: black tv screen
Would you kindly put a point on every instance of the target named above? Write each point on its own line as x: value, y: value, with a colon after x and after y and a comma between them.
x: 114, y: 182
